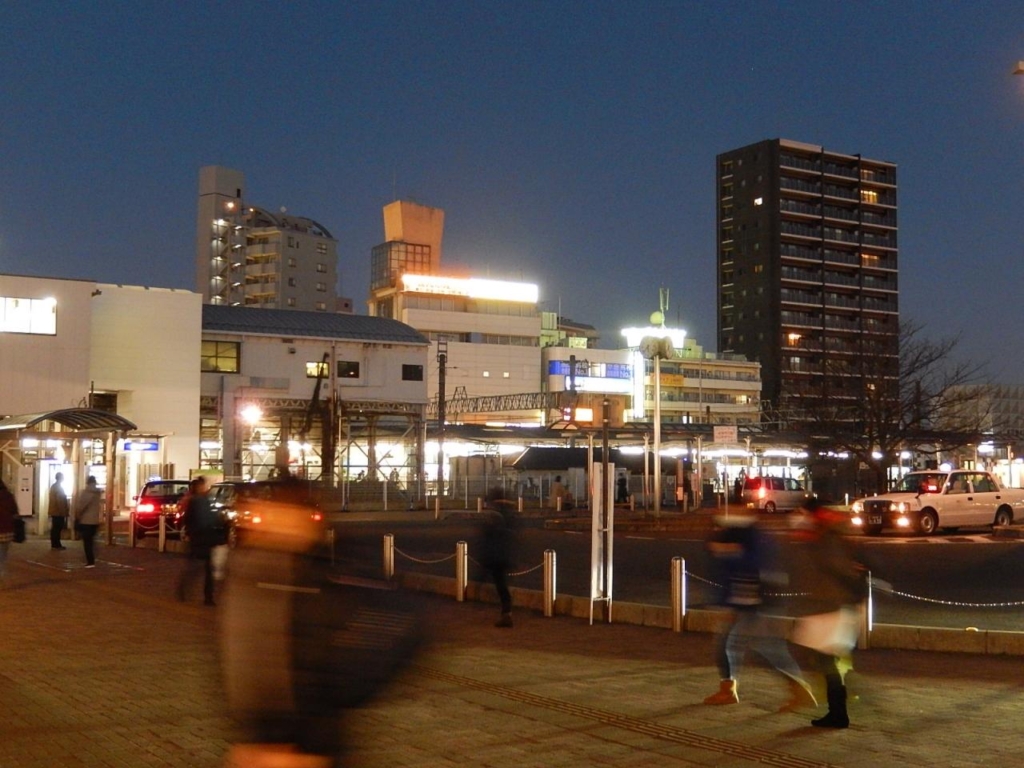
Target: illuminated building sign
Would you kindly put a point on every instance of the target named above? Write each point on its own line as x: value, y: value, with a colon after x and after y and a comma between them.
x: 602, y: 386
x: 635, y: 335
x: 472, y: 287
x: 38, y: 316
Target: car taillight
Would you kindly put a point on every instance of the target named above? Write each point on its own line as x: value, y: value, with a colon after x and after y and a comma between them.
x: 317, y: 517
x: 145, y: 506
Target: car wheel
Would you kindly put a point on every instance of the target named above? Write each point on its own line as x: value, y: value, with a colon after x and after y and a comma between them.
x: 927, y: 523
x: 769, y: 507
x: 1003, y: 516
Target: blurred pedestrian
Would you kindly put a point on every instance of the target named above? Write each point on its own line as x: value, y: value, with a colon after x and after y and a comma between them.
x: 498, y: 544
x: 747, y: 564
x: 560, y: 496
x: 205, y: 530
x: 58, y: 510
x: 837, y: 586
x: 299, y: 644
x: 87, y: 518
x: 8, y: 513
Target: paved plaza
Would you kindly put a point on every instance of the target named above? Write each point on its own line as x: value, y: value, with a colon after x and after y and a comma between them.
x: 103, y: 667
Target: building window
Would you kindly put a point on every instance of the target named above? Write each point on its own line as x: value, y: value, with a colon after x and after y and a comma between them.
x: 291, y: 301
x: 321, y: 306
x: 291, y: 242
x: 321, y: 287
x: 292, y: 261
x: 868, y: 196
x: 504, y: 374
x: 321, y: 248
x: 348, y: 369
x: 291, y: 282
x: 220, y: 356
x: 35, y: 316
x: 321, y: 267
x: 412, y: 373
x: 487, y: 374
x: 317, y: 369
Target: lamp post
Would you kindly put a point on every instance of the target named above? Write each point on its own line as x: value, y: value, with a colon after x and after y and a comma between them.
x: 442, y: 361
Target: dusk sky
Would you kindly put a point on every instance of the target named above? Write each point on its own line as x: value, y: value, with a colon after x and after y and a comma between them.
x: 570, y: 144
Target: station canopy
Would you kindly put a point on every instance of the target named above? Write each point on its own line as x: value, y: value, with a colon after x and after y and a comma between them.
x: 67, y: 420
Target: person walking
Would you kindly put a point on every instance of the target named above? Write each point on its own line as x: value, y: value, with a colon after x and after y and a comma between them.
x: 205, y: 530
x: 58, y: 510
x: 8, y: 513
x: 498, y: 545
x: 87, y: 518
x: 744, y: 554
x: 837, y: 585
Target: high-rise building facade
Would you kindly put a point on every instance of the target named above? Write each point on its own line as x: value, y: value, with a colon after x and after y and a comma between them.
x: 249, y: 256
x: 807, y: 271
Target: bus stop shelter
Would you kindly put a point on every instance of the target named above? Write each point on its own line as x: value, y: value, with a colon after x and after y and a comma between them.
x: 31, y: 437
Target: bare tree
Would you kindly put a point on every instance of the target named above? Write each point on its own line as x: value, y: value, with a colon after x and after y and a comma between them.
x: 881, y: 402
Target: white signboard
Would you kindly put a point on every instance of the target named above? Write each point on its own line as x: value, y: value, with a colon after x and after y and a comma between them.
x: 726, y: 434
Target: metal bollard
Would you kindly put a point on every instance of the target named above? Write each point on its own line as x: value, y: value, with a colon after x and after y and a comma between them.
x: 161, y: 542
x: 867, y: 617
x: 678, y: 593
x: 550, y: 591
x: 558, y: 504
x: 461, y: 570
x: 479, y: 504
x: 131, y: 528
x: 389, y: 556
x: 520, y: 508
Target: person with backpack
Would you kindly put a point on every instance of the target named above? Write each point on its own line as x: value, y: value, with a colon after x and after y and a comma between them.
x: 87, y: 518
x: 205, y: 530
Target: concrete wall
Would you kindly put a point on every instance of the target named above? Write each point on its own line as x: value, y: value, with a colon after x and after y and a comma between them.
x: 41, y: 372
x: 146, y: 347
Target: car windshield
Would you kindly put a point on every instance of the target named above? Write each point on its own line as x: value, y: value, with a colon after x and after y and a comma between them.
x: 924, y: 482
x: 165, y: 489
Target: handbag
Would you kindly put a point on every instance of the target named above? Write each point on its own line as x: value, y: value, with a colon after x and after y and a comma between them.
x: 19, y: 529
x: 833, y: 633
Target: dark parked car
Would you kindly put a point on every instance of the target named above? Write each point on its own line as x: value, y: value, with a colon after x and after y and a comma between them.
x: 159, y: 497
x: 240, y: 502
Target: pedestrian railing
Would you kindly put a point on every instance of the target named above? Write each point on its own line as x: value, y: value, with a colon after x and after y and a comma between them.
x: 462, y: 560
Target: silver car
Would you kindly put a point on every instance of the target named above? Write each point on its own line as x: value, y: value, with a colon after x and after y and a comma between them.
x: 773, y: 493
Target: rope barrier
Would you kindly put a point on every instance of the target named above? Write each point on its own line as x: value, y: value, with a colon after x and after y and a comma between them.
x: 958, y: 603
x: 528, y: 570
x: 425, y: 562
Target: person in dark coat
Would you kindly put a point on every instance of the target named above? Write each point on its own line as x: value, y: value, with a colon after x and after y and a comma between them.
x: 837, y: 584
x: 498, y: 544
x: 58, y: 509
x: 8, y: 512
x: 205, y: 530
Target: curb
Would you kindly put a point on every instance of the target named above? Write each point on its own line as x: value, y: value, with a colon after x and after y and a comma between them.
x: 882, y: 636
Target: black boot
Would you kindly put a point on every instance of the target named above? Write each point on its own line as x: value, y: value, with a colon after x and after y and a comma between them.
x: 836, y: 716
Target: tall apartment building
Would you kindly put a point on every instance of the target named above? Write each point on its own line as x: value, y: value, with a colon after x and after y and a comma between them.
x: 807, y: 271
x: 249, y: 256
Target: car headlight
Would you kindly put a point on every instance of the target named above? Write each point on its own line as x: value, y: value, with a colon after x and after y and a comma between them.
x: 857, y: 508
x: 900, y: 507
x: 857, y: 520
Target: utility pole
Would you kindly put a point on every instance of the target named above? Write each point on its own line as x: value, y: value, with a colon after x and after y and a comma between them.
x: 442, y: 361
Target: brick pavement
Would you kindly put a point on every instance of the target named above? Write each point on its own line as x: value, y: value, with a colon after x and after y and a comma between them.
x: 103, y: 667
